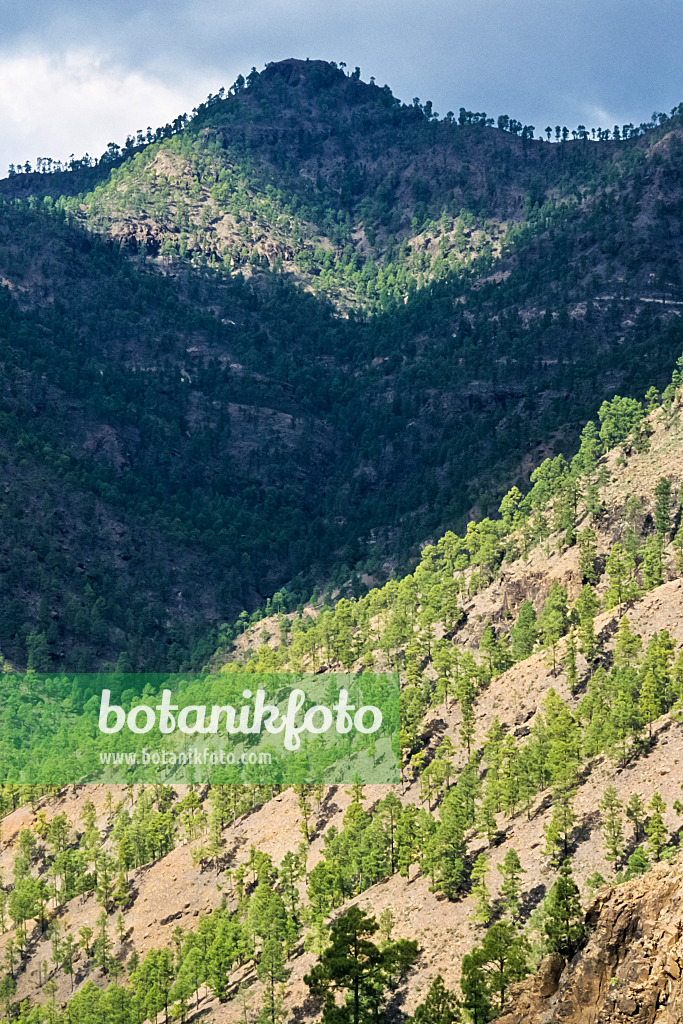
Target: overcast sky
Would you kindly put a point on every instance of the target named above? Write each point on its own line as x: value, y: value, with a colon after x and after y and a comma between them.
x: 76, y: 74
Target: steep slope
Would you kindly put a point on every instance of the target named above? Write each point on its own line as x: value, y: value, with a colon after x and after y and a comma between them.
x: 335, y: 181
x: 533, y: 732
x: 166, y: 481
x: 631, y: 968
x: 320, y: 448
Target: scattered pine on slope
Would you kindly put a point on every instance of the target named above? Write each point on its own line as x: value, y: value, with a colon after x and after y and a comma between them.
x: 542, y: 697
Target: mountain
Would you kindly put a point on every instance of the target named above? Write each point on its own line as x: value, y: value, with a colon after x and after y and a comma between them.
x: 332, y: 180
x: 408, y: 394
x: 541, y: 657
x: 279, y: 345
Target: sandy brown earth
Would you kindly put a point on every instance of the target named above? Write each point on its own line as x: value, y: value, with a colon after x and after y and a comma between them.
x: 173, y: 892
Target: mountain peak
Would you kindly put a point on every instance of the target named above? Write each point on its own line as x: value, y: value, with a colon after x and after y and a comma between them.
x: 296, y: 71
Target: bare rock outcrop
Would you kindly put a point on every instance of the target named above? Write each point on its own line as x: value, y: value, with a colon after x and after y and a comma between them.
x: 631, y: 969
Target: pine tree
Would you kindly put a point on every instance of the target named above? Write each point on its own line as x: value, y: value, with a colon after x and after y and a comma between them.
x: 594, y: 504
x: 8, y: 987
x: 320, y: 890
x: 486, y: 814
x: 595, y: 881
x: 289, y: 876
x: 658, y: 660
x: 620, y: 567
x: 623, y: 725
x: 153, y: 979
x: 612, y: 829
x: 317, y: 938
x: 480, y: 891
x: 444, y: 755
x: 103, y: 944
x: 663, y: 507
x: 564, y: 925
x: 638, y: 864
x: 510, y: 889
x: 439, y: 1007
x: 476, y: 999
x: 655, y: 829
x: 649, y: 701
x: 225, y: 944
x: 181, y: 994
x: 627, y: 646
x: 106, y: 866
x: 443, y: 664
x: 503, y: 956
x: 590, y: 450
x: 559, y: 829
x: 652, y: 566
x: 120, y: 895
x: 84, y: 937
x: 386, y: 924
x: 588, y: 551
x: 355, y: 965
x: 509, y: 787
x: 554, y: 618
x: 266, y: 914
x: 447, y: 844
x: 635, y: 812
x: 563, y: 742
x: 524, y: 633
x: 303, y: 791
x: 69, y: 952
x: 272, y: 972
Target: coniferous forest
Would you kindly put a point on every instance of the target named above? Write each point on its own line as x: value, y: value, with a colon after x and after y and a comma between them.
x: 256, y: 351
x: 315, y: 381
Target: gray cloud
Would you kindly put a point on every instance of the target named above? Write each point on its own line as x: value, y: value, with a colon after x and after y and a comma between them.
x: 538, y: 60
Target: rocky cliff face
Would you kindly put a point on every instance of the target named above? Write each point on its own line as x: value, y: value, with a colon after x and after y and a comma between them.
x: 630, y: 969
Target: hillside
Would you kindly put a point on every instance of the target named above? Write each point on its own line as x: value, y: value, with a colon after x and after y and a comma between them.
x: 542, y: 659
x: 346, y: 325
x: 631, y: 969
x: 362, y: 198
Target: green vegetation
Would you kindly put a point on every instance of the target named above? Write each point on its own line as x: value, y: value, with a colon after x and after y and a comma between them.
x: 356, y: 966
x: 288, y: 449
x: 195, y: 435
x: 468, y: 786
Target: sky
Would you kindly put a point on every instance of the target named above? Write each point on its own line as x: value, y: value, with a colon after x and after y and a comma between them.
x: 77, y: 74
